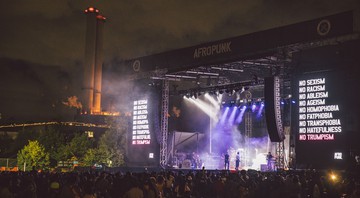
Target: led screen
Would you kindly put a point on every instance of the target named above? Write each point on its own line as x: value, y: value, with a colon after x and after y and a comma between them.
x: 140, y: 128
x: 318, y: 119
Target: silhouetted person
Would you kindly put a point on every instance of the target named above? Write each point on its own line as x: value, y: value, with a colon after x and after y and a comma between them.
x: 269, y: 159
x: 237, y: 161
x: 227, y: 163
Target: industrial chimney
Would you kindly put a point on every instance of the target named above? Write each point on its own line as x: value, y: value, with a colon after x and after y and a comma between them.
x: 91, y: 87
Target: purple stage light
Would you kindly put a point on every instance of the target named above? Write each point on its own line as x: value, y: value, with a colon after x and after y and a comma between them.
x: 258, y: 115
x: 241, y: 115
x: 224, y: 115
x: 253, y: 107
x: 232, y: 115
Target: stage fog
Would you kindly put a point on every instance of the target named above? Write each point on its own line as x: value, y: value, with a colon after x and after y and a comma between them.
x: 205, y: 127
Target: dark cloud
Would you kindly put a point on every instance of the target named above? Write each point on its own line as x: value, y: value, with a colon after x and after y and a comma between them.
x: 32, y: 92
x: 38, y: 34
x: 54, y: 33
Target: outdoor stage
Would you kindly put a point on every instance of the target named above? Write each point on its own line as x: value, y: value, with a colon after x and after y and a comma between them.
x: 197, y: 102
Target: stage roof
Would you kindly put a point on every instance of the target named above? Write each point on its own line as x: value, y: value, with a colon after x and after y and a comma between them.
x: 244, y: 60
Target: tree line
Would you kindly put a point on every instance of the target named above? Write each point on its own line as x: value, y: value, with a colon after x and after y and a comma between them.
x: 44, y: 147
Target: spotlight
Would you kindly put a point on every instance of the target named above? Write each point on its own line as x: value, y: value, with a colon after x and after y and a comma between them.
x: 282, y: 102
x: 253, y: 107
x: 242, y: 89
x: 259, y: 113
x: 293, y: 101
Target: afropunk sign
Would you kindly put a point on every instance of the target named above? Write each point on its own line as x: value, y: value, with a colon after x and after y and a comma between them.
x: 316, y: 117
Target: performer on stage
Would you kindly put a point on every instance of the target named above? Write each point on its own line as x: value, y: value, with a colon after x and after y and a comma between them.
x: 195, y: 160
x: 269, y: 159
x: 237, y: 162
x: 227, y: 163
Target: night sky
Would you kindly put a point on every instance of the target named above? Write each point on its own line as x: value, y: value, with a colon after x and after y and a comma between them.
x: 42, y: 43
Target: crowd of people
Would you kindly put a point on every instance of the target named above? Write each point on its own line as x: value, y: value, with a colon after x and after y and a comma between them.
x: 179, y: 183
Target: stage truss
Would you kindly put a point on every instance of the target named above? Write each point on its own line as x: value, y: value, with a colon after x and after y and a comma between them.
x: 164, y: 123
x: 280, y: 155
x: 248, y: 134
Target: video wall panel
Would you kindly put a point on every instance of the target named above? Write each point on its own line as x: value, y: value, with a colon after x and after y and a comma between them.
x: 318, y: 119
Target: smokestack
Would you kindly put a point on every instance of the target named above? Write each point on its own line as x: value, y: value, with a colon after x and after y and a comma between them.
x: 91, y: 87
x: 98, y: 63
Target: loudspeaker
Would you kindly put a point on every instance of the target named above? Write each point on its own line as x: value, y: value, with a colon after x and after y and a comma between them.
x: 273, y: 109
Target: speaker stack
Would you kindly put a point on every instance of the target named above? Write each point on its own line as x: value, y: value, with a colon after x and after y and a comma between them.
x: 273, y: 109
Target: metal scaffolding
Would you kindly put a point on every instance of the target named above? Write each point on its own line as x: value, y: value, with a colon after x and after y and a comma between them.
x: 248, y: 134
x: 280, y: 155
x: 164, y: 123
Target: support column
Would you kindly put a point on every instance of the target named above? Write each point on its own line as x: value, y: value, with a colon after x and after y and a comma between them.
x: 280, y: 155
x: 248, y: 134
x: 164, y: 123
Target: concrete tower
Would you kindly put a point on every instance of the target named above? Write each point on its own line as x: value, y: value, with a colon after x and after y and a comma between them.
x: 91, y: 87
